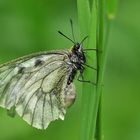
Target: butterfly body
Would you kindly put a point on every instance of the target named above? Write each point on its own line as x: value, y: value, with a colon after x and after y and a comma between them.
x: 77, y: 58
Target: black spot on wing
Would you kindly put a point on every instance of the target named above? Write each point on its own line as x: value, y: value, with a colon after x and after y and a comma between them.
x: 21, y: 70
x: 38, y: 62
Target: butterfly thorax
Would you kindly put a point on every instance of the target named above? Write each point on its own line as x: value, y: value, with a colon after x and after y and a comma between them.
x: 77, y: 58
x: 77, y: 55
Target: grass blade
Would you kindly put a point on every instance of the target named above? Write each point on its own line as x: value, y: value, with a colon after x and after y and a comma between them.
x: 83, y: 16
x: 93, y: 24
x: 87, y: 26
x: 84, y: 21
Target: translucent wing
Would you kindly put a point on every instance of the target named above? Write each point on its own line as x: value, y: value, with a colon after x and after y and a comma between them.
x: 37, y: 88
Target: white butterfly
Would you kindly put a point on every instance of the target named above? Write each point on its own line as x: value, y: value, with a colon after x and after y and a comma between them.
x: 39, y: 87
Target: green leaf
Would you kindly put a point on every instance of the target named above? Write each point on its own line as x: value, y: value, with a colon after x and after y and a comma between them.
x: 88, y: 25
x: 83, y: 16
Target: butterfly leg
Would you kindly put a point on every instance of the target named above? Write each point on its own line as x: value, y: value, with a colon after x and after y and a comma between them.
x: 82, y: 80
x: 94, y: 49
x: 91, y: 49
x: 85, y: 81
x: 90, y: 66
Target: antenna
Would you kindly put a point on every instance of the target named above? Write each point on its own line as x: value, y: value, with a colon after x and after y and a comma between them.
x: 71, y: 23
x: 83, y: 39
x: 66, y: 37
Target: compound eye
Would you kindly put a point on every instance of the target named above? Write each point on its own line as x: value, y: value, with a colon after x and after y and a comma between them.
x: 78, y: 46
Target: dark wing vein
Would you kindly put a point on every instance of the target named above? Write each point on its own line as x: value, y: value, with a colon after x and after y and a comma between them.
x: 6, y: 86
x: 25, y: 83
x: 35, y: 109
x: 36, y: 92
x: 35, y: 82
x: 46, y: 75
x: 12, y: 90
x: 44, y: 101
x: 51, y: 103
x: 7, y: 74
x: 51, y: 93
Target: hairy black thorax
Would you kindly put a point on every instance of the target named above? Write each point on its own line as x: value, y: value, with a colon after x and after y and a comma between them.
x: 77, y: 58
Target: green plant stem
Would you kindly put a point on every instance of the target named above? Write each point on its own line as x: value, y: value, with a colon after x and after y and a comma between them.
x: 100, y: 72
x: 83, y: 16
x: 92, y: 96
x: 99, y: 122
x: 99, y: 126
x: 93, y: 25
x: 84, y: 20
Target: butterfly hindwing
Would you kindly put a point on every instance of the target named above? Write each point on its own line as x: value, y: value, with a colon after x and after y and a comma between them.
x: 36, y: 87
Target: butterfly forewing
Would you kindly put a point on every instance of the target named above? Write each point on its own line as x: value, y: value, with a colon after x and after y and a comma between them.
x: 36, y: 86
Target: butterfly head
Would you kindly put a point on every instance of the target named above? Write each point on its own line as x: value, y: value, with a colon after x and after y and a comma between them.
x: 78, y: 51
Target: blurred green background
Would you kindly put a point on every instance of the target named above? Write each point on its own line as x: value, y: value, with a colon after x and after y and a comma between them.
x: 31, y: 26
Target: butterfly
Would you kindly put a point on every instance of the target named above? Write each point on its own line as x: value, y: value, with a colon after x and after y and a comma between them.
x: 39, y: 87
